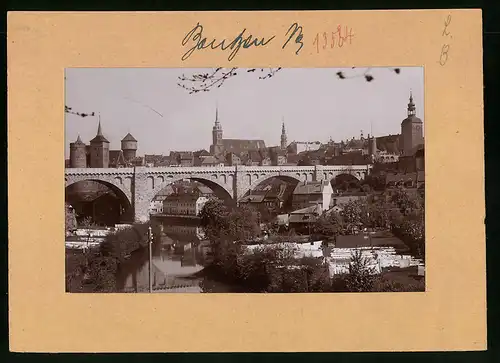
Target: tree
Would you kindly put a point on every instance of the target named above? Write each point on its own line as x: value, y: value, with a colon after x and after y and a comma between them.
x: 243, y: 224
x: 405, y: 202
x: 352, y: 214
x: 360, y: 277
x: 214, y: 218
x: 380, y: 214
x: 216, y: 78
x: 329, y: 224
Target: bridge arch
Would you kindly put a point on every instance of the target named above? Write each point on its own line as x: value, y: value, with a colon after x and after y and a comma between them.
x: 116, y: 186
x: 218, y: 188
x: 291, y: 179
x: 349, y: 179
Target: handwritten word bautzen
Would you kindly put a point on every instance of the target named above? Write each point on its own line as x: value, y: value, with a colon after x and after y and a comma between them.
x: 242, y: 40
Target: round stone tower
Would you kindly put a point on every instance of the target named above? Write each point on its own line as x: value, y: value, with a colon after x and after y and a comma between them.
x: 77, y: 154
x: 129, y: 147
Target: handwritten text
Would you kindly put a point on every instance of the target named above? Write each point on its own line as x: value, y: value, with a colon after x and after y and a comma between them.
x: 197, y: 41
x: 337, y: 38
x: 297, y: 32
x: 445, y: 49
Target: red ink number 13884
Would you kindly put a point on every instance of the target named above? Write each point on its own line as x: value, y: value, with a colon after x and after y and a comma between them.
x: 343, y: 35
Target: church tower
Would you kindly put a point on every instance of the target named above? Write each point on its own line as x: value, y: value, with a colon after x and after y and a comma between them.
x: 217, y: 130
x: 77, y: 154
x: 283, y: 137
x: 411, y: 131
x: 99, y: 150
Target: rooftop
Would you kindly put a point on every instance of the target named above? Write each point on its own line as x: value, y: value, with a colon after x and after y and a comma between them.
x: 310, y: 187
x: 129, y: 137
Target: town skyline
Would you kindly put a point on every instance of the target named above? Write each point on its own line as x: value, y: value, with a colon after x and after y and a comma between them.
x: 128, y: 99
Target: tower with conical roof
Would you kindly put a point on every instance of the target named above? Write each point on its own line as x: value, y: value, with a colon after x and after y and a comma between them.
x: 99, y: 150
x: 129, y: 147
x: 411, y: 130
x: 77, y: 154
x: 283, y: 136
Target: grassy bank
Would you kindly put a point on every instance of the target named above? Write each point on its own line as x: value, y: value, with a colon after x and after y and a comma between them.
x: 96, y: 270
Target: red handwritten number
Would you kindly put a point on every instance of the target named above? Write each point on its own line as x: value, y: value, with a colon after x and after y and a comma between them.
x: 340, y: 37
x: 316, y: 41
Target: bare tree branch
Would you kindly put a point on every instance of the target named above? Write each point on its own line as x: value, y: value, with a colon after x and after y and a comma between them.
x: 204, y: 82
x: 367, y: 74
x: 68, y: 109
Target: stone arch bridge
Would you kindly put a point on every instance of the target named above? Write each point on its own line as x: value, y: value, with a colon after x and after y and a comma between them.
x: 139, y: 185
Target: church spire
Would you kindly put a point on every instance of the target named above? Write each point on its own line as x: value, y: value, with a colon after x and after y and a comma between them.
x: 283, y: 135
x: 411, y: 106
x: 99, y: 131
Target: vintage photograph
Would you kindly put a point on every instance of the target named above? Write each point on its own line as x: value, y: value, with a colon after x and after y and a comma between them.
x: 251, y: 180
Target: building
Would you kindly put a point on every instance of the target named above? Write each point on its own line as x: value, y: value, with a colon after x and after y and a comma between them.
x: 411, y: 131
x: 182, y: 158
x: 389, y: 144
x: 232, y: 159
x: 220, y: 146
x: 188, y: 204
x: 77, y: 154
x: 129, y: 147
x: 283, y: 142
x: 303, y: 219
x: 385, y: 157
x: 211, y: 161
x: 99, y: 150
x: 310, y: 193
x: 98, y: 154
x: 116, y: 159
x: 297, y: 147
x: 156, y: 205
x: 278, y: 156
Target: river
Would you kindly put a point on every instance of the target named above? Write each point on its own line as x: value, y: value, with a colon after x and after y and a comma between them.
x: 178, y: 260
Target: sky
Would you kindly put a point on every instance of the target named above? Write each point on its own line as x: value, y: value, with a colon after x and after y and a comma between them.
x: 313, y: 102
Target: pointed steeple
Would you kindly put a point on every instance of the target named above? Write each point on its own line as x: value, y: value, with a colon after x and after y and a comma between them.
x: 217, y: 125
x: 411, y: 106
x: 99, y: 130
x: 217, y: 129
x: 283, y: 135
x: 78, y: 140
x: 99, y: 137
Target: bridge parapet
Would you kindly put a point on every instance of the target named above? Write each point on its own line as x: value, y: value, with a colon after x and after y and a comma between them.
x: 98, y: 171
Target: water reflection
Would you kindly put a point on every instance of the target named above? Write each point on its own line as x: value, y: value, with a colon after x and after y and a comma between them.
x: 179, y: 256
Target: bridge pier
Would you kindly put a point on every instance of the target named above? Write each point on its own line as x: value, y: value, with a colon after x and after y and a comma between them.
x: 140, y: 196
